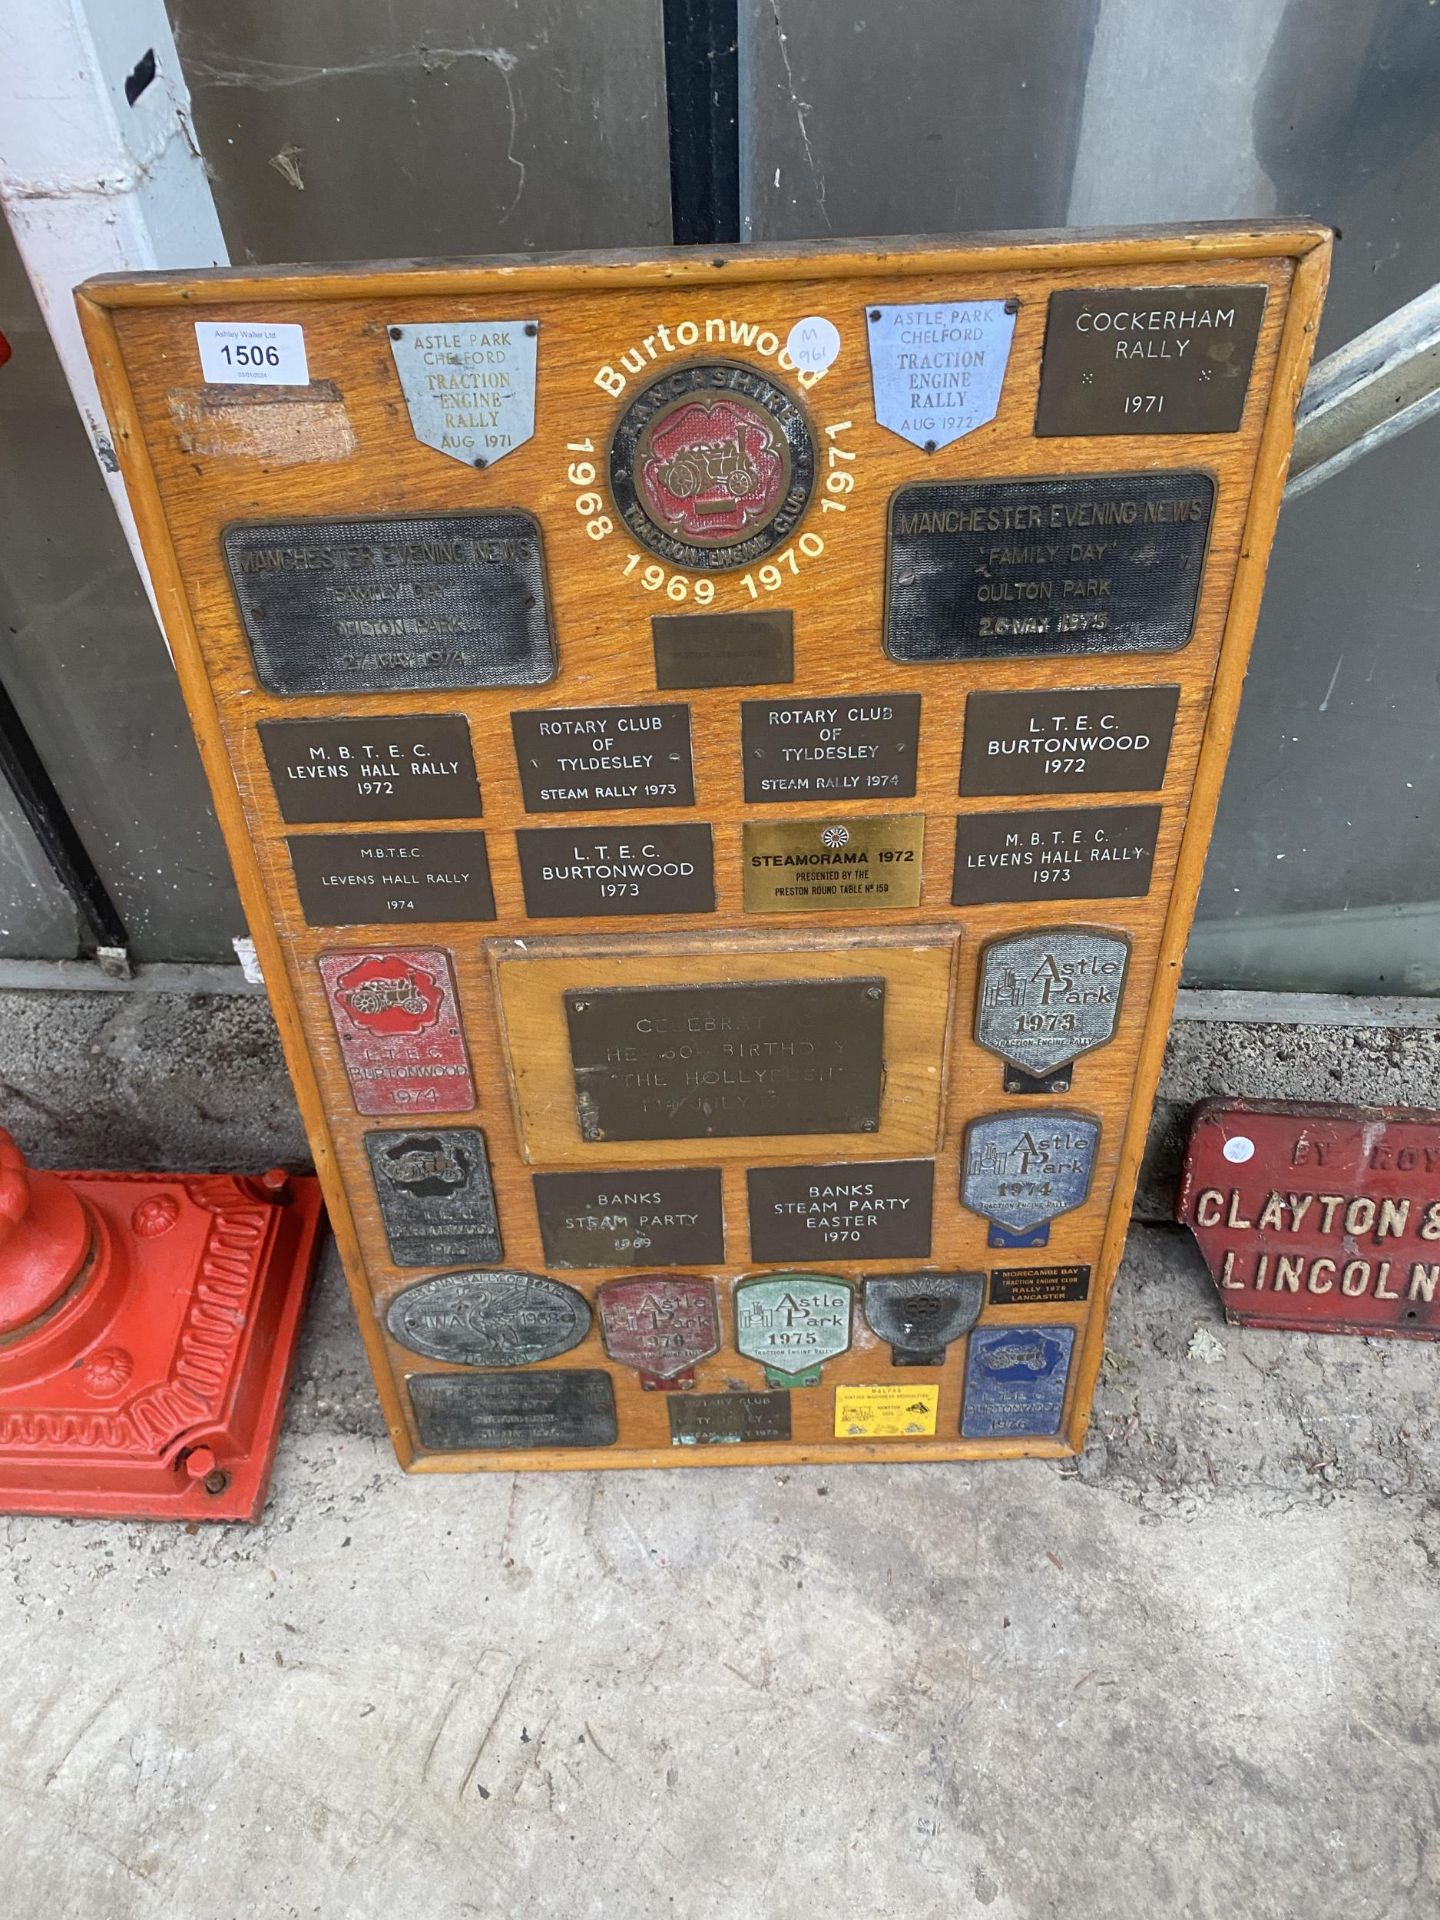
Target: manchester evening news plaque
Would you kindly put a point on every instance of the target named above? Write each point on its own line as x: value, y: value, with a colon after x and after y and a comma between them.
x: 1077, y: 563
x: 407, y: 603
x: 706, y: 1062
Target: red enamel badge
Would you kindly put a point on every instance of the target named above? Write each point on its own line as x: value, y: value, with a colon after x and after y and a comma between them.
x: 661, y: 1325
x: 397, y: 1019
x: 1325, y: 1219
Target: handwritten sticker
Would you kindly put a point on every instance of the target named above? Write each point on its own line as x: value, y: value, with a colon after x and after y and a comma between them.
x: 813, y: 343
x: 252, y: 356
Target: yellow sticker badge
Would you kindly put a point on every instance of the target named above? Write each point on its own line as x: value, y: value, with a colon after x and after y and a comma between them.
x: 885, y: 1413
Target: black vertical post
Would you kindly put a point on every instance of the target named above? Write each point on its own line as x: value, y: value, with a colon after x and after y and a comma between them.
x: 702, y: 59
x: 52, y: 826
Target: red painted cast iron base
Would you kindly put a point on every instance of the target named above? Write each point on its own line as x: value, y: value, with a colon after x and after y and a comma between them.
x: 147, y: 1331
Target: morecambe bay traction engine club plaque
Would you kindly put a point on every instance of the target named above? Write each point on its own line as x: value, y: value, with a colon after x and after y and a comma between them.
x: 718, y: 748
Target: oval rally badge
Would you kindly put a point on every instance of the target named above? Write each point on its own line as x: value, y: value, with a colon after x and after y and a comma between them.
x: 497, y: 1318
x: 1045, y: 998
x: 792, y: 1323
x: 1023, y: 1169
x: 712, y: 466
x: 661, y: 1325
x: 919, y: 1314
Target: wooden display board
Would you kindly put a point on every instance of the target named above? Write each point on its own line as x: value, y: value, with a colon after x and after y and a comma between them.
x: 718, y: 752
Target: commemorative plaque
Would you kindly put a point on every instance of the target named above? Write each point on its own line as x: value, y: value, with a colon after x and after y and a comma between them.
x: 1015, y: 1379
x: 631, y: 1217
x: 1075, y: 563
x: 591, y: 759
x: 1022, y: 1170
x: 920, y: 1314
x: 436, y: 1196
x: 469, y: 386
x: 792, y: 1323
x: 398, y: 1023
x: 410, y: 603
x: 863, y: 862
x: 410, y: 766
x: 1039, y: 1286
x: 724, y: 649
x: 712, y: 466
x: 677, y: 560
x: 852, y: 748
x: 724, y: 1061
x: 1045, y: 998
x: 858, y: 1210
x: 623, y: 871
x: 663, y: 1326
x: 361, y: 879
x: 1076, y: 740
x: 510, y: 1412
x: 1072, y: 853
x: 1148, y: 359
x: 495, y: 1319
x: 936, y: 371
x: 728, y: 1419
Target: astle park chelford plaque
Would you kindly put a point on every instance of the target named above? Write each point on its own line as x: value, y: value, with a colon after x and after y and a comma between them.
x: 718, y: 750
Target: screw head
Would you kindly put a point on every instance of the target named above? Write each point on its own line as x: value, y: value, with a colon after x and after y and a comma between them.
x: 217, y: 1481
x: 531, y: 328
x: 481, y: 463
x: 396, y: 333
x: 1012, y: 305
x: 929, y: 446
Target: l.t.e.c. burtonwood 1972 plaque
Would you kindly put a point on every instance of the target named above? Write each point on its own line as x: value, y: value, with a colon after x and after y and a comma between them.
x: 718, y: 752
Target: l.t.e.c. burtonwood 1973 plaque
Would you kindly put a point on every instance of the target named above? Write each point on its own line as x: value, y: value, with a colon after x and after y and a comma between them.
x: 718, y: 751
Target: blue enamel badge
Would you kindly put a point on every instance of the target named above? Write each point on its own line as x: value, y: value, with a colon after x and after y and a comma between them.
x: 1015, y: 1382
x: 1022, y: 1169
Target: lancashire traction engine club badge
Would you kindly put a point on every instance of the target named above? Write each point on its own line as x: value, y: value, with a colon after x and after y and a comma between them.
x: 712, y: 466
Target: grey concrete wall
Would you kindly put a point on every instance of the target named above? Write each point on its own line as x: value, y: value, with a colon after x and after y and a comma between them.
x: 156, y: 1079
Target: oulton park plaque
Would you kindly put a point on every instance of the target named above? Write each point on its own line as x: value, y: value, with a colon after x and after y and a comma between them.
x: 713, y: 747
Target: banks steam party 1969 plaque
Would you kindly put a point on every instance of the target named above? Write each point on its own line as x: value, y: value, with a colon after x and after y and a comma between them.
x: 717, y: 748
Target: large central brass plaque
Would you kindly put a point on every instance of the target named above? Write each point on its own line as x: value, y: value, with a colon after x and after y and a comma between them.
x: 708, y: 1062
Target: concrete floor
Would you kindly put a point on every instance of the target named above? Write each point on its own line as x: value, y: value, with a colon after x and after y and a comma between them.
x: 1193, y: 1674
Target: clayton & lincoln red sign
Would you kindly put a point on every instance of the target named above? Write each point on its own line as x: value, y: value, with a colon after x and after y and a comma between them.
x: 1325, y: 1219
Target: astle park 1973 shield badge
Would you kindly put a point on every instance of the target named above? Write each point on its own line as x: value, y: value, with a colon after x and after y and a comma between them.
x: 712, y: 466
x: 1045, y: 998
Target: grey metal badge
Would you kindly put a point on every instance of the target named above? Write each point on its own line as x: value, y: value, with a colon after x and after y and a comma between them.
x: 919, y: 1314
x: 936, y: 372
x: 436, y: 1196
x: 1023, y: 1169
x: 395, y: 603
x: 494, y: 1319
x: 1045, y: 998
x: 469, y: 385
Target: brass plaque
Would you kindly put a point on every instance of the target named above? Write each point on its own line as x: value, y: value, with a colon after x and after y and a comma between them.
x: 400, y: 766
x: 724, y: 649
x: 706, y: 1062
x: 853, y: 865
x: 1147, y: 359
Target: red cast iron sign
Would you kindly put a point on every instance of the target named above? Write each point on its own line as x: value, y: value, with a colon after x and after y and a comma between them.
x: 1325, y: 1219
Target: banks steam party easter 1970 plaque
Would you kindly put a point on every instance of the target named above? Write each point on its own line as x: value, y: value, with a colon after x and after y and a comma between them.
x: 718, y: 749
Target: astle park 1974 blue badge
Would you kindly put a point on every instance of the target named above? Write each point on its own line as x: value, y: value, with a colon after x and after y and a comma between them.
x: 936, y: 372
x: 1022, y: 1169
x: 469, y: 385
